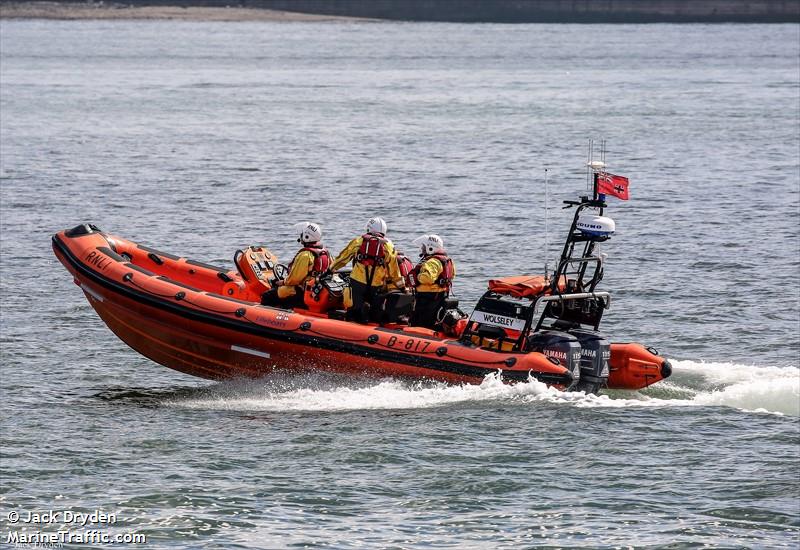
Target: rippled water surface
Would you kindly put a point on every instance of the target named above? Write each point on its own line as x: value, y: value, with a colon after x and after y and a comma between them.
x: 202, y: 138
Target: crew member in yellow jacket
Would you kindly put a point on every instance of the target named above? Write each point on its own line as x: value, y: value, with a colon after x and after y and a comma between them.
x: 374, y: 266
x: 311, y: 261
x: 431, y: 279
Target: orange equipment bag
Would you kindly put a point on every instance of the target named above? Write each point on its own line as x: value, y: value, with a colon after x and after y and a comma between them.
x: 323, y: 295
x: 523, y: 286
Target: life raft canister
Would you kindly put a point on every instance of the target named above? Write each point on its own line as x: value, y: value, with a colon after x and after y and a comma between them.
x: 445, y: 278
x: 372, y: 251
x: 322, y: 259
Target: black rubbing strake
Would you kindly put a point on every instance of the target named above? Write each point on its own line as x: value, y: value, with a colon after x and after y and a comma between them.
x: 110, y: 253
x: 158, y: 252
x: 141, y: 270
x: 177, y: 283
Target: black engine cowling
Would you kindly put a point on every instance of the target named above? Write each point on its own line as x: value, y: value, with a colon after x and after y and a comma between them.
x: 595, y: 355
x: 560, y: 346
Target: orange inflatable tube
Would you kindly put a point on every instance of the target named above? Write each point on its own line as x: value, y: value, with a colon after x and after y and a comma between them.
x: 633, y: 367
x: 202, y: 320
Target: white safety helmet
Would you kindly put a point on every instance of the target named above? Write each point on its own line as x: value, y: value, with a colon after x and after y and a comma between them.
x: 430, y: 244
x: 308, y: 232
x: 376, y: 226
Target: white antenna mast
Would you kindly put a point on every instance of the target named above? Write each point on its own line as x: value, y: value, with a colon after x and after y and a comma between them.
x: 603, y: 152
x: 595, y: 166
x: 546, y: 228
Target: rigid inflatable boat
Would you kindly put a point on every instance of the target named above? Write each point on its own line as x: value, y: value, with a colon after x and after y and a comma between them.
x: 207, y: 321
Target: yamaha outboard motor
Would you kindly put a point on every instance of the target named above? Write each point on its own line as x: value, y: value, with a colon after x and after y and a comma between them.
x: 559, y: 346
x: 595, y: 355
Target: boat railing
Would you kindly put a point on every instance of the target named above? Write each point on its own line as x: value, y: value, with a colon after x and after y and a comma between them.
x: 576, y: 296
x: 541, y: 312
x: 578, y: 268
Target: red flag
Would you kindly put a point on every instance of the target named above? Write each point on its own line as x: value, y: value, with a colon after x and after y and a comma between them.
x: 609, y: 184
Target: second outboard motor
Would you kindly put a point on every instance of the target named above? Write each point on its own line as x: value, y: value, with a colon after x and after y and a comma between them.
x: 559, y: 346
x: 595, y: 356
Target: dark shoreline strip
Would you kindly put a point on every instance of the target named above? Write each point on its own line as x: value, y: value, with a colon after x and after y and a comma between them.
x: 480, y: 11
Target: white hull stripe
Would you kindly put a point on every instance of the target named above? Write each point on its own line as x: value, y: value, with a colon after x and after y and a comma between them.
x: 257, y: 353
x: 92, y: 293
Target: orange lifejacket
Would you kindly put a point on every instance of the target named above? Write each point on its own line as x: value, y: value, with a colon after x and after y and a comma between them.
x: 372, y: 251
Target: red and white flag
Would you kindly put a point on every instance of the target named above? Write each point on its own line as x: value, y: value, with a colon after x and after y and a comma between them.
x: 609, y: 184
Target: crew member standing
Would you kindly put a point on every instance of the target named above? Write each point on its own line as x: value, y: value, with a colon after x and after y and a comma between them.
x: 311, y: 261
x: 431, y: 279
x: 374, y: 265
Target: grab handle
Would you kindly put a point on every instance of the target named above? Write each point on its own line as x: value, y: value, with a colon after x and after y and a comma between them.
x: 238, y: 254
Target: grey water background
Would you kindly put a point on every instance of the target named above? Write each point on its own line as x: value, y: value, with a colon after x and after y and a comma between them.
x: 200, y: 138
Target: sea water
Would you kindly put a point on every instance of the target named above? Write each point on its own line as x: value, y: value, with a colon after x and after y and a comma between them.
x: 202, y: 138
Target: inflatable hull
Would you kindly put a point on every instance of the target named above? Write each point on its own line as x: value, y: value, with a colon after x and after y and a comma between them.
x: 634, y: 367
x: 173, y: 311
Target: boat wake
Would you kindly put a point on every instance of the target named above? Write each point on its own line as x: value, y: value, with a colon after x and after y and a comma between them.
x: 774, y: 390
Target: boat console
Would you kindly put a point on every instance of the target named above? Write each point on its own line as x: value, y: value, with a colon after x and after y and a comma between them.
x: 257, y: 266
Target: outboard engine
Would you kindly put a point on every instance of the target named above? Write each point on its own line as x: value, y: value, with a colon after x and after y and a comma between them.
x: 559, y: 346
x: 595, y: 355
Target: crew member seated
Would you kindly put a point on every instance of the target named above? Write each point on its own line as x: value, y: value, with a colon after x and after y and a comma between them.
x: 431, y: 279
x: 374, y: 266
x: 310, y: 262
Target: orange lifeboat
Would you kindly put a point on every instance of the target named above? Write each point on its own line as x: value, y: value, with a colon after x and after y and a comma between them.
x: 206, y: 321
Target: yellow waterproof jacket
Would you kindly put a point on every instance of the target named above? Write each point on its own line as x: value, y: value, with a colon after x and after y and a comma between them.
x: 380, y: 277
x: 428, y: 271
x: 299, y: 273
